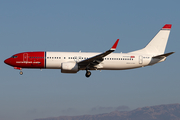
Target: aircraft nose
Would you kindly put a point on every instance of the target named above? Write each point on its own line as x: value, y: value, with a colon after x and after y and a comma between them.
x: 7, y: 61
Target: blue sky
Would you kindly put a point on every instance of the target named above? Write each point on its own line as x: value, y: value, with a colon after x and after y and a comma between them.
x: 89, y: 26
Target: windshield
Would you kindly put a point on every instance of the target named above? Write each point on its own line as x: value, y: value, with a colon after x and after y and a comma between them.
x: 14, y: 56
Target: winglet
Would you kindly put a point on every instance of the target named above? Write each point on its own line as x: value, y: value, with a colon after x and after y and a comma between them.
x: 167, y: 26
x: 115, y: 45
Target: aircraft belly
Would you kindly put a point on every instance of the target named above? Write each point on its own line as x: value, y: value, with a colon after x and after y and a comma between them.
x: 119, y: 65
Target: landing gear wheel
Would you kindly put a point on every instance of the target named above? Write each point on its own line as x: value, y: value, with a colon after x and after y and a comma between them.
x: 88, y: 73
x: 20, y: 72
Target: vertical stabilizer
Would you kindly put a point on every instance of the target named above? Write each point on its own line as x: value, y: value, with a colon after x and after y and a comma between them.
x: 157, y: 45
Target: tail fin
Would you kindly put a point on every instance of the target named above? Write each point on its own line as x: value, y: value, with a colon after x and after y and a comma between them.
x: 158, y: 44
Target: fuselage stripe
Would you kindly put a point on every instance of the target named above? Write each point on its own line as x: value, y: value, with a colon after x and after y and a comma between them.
x: 44, y: 59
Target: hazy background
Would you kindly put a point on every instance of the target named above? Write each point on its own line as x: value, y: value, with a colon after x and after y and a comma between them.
x: 89, y: 26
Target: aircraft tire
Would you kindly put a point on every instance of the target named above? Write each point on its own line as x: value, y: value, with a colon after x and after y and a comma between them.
x: 20, y: 72
x: 88, y: 74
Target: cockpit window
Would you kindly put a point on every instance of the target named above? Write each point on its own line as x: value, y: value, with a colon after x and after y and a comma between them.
x: 14, y: 56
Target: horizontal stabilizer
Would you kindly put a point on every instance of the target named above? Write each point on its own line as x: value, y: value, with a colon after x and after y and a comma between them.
x: 163, y: 55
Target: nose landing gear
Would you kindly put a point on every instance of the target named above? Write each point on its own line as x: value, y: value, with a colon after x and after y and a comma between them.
x: 20, y: 72
x: 18, y: 68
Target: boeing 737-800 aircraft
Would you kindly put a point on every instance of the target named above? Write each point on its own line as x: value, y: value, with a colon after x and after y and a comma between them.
x: 72, y: 62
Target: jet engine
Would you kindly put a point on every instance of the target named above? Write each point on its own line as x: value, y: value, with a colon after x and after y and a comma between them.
x: 69, y: 67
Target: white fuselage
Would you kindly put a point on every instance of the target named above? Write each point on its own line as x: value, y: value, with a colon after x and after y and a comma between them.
x: 113, y: 61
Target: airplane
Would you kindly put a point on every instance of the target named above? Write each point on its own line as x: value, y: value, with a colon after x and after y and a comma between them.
x: 72, y: 62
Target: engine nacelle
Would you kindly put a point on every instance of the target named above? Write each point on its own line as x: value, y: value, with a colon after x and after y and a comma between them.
x: 69, y: 67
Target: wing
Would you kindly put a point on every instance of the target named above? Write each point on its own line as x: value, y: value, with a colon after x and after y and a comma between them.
x: 92, y: 61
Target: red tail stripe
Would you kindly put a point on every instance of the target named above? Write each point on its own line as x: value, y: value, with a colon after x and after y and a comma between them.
x: 167, y: 26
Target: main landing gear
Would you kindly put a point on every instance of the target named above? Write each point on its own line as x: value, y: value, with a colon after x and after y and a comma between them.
x: 88, y: 73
